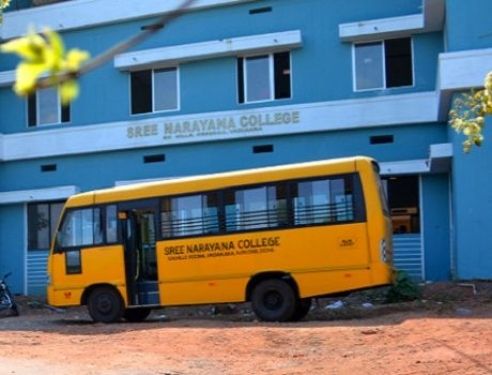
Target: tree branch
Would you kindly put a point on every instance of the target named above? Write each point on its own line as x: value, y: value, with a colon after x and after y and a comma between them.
x: 116, y: 49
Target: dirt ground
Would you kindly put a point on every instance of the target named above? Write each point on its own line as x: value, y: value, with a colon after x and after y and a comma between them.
x: 448, y: 331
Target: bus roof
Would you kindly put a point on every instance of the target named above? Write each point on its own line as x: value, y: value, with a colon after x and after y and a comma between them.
x: 208, y: 182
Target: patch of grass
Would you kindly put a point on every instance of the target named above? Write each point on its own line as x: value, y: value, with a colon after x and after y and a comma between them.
x: 403, y: 289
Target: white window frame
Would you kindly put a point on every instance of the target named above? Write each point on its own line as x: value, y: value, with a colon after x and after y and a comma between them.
x: 383, y: 58
x: 271, y: 67
x: 152, y: 82
x: 38, y: 111
x: 178, y: 91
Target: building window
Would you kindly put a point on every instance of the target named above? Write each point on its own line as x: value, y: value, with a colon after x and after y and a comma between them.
x: 42, y: 219
x: 154, y: 90
x: 385, y: 64
x: 262, y: 78
x: 44, y: 108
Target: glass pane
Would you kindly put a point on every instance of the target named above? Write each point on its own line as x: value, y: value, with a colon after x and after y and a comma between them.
x: 111, y: 224
x: 147, y: 244
x: 281, y: 63
x: 38, y: 226
x: 210, y: 213
x: 277, y: 206
x: 77, y: 229
x: 240, y: 79
x: 369, y: 66
x: 324, y: 201
x: 311, y: 202
x: 73, y: 262
x: 141, y: 90
x: 246, y: 209
x: 342, y: 200
x: 399, y: 70
x: 98, y: 230
x: 186, y: 215
x: 258, y: 79
x: 32, y: 110
x: 191, y: 215
x: 165, y: 89
x: 48, y: 106
x: 55, y: 213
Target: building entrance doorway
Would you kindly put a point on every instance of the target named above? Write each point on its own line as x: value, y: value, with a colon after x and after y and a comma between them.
x: 405, y: 207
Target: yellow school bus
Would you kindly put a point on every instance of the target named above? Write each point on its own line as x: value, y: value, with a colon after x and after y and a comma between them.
x: 275, y: 236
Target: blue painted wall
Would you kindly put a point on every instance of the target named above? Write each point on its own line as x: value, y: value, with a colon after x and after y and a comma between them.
x: 101, y: 170
x: 468, y: 27
x: 468, y: 24
x: 321, y: 68
x: 436, y: 219
x: 12, y: 240
x: 321, y: 71
x: 472, y: 199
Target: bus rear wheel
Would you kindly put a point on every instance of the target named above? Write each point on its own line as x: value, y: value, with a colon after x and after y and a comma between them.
x: 105, y: 305
x: 302, y: 309
x: 274, y: 300
x: 136, y: 315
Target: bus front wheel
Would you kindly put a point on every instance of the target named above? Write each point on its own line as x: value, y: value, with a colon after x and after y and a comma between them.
x: 105, y: 305
x: 274, y: 300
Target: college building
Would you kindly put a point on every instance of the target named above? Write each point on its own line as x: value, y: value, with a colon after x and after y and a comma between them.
x: 235, y: 84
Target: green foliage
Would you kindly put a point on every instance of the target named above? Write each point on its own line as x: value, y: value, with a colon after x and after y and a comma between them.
x: 468, y: 114
x: 403, y: 289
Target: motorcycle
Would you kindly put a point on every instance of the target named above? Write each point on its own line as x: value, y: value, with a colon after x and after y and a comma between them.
x: 7, y: 301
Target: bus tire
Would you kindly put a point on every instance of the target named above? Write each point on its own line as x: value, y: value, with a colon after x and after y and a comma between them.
x: 105, y: 305
x: 302, y: 309
x: 136, y: 315
x: 274, y: 300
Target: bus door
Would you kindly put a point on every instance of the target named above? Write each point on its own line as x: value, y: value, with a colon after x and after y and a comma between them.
x: 139, y: 233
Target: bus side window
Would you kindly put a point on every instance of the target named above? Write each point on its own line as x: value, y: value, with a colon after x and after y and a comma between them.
x: 81, y: 228
x: 111, y: 224
x: 311, y: 201
x: 98, y: 230
x: 323, y: 201
x: 189, y: 215
x: 256, y: 208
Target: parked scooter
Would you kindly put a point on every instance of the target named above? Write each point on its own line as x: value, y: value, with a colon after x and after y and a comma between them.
x: 7, y: 301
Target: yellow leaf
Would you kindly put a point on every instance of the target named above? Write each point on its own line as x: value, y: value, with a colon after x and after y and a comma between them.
x: 69, y: 90
x: 75, y: 58
x: 53, y: 54
x: 27, y: 75
x: 29, y: 47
